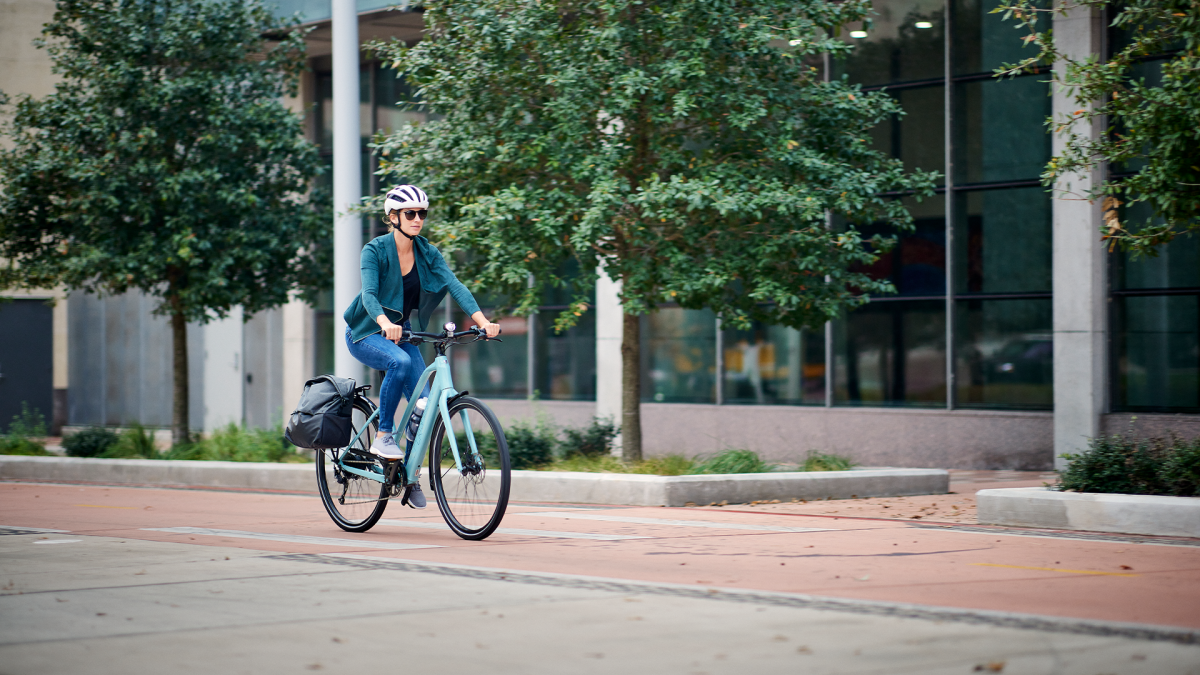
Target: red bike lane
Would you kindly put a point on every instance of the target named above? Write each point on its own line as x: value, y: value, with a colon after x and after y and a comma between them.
x: 1105, y: 577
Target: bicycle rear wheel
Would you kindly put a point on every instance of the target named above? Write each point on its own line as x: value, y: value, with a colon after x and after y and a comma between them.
x: 472, y: 498
x: 355, y: 503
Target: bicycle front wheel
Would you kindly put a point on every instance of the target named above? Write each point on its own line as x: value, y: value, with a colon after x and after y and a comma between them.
x: 355, y: 503
x: 472, y: 497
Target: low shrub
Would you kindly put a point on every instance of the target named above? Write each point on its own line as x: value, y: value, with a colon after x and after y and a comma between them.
x: 665, y: 465
x: 136, y: 442
x: 530, y: 444
x: 818, y: 461
x: 23, y: 434
x: 1138, y: 466
x: 234, y: 443
x: 594, y: 440
x: 732, y: 461
x: 89, y: 442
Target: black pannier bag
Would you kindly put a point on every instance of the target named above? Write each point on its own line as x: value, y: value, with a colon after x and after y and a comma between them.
x: 322, y: 418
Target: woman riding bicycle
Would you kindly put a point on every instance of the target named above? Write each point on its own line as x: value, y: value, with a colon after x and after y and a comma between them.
x: 403, y: 277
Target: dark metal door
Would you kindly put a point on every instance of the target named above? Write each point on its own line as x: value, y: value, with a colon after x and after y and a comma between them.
x: 26, y: 359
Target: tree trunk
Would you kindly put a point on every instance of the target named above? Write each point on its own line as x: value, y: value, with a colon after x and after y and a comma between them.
x: 180, y: 425
x: 631, y: 389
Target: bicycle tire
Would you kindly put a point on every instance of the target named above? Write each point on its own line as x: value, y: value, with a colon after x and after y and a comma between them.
x: 355, y: 504
x: 472, y: 502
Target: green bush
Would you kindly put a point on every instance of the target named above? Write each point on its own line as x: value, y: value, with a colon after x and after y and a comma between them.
x: 90, y: 442
x: 732, y: 461
x: 136, y: 442
x: 22, y: 432
x: 818, y: 461
x: 1139, y: 466
x: 234, y: 443
x: 594, y: 440
x: 530, y: 444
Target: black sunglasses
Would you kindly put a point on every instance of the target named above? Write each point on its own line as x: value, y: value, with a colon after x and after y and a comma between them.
x: 412, y: 214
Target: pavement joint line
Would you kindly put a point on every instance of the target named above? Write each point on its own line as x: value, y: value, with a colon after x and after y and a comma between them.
x: 290, y: 538
x: 12, y: 529
x: 1058, y: 569
x: 517, y: 531
x: 1013, y: 620
x: 1056, y: 534
x: 675, y: 523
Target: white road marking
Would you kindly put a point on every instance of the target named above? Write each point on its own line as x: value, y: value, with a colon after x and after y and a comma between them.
x: 290, y: 538
x: 513, y: 530
x: 674, y: 523
x: 58, y: 541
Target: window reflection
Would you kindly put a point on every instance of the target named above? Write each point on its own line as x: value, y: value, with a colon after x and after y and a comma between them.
x: 679, y: 356
x: 891, y: 353
x: 902, y: 41
x: 566, y: 362
x: 495, y: 369
x: 1157, y: 353
x: 916, y: 266
x: 918, y: 137
x: 1004, y: 241
x: 1004, y: 354
x: 1000, y: 131
x: 773, y: 365
x: 984, y: 41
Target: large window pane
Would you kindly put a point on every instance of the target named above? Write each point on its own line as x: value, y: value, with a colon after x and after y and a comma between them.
x: 1004, y: 355
x: 1157, y: 345
x: 679, y: 356
x: 902, y: 42
x: 1003, y: 241
x: 1177, y: 264
x: 999, y: 129
x: 566, y: 362
x: 492, y: 369
x: 773, y: 365
x: 983, y: 41
x: 918, y: 137
x: 916, y: 266
x: 891, y: 353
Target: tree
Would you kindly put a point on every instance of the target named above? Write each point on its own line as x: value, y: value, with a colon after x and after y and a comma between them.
x: 165, y: 161
x: 1153, y: 134
x: 690, y: 147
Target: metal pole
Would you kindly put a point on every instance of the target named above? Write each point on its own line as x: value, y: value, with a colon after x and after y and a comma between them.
x: 347, y: 178
x: 948, y: 159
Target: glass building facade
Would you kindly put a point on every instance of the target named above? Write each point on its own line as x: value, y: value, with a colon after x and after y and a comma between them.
x: 971, y: 324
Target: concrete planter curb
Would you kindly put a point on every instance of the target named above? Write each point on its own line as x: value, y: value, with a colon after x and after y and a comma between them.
x: 1096, y: 512
x: 531, y: 486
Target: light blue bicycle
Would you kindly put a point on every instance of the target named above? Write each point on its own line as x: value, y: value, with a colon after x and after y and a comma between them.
x: 469, y: 471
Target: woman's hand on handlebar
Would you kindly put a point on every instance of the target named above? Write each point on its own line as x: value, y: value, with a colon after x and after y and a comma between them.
x: 391, y: 331
x: 489, y: 328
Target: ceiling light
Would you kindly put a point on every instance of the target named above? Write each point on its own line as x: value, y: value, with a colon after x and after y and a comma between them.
x: 858, y: 33
x: 923, y: 24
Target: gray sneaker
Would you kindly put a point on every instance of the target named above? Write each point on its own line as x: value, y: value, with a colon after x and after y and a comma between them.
x: 415, y: 498
x: 385, y: 447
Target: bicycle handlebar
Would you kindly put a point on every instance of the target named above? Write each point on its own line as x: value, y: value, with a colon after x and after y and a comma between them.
x: 411, y: 336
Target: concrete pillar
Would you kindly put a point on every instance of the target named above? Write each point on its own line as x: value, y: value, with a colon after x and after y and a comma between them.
x: 347, y: 179
x: 609, y: 327
x: 1080, y: 279
x: 223, y: 371
x: 297, y: 352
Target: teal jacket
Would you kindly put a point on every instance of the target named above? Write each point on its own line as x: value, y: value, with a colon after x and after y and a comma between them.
x: 383, y: 286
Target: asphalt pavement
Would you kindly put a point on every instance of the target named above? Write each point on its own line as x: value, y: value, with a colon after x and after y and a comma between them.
x: 100, y: 579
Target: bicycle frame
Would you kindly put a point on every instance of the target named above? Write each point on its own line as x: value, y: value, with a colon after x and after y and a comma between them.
x: 441, y: 390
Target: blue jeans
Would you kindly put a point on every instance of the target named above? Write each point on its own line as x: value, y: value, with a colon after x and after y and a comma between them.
x: 402, y: 365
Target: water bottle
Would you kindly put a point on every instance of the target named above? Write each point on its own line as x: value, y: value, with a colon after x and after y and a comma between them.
x: 414, y: 421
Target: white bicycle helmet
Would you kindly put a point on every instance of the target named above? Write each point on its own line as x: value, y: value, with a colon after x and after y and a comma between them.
x: 405, y: 197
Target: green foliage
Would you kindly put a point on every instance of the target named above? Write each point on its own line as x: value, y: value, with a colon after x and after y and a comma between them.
x: 1154, y: 122
x: 674, y: 142
x: 819, y: 461
x: 594, y: 440
x: 24, y: 433
x: 732, y: 461
x: 234, y: 443
x: 589, y: 464
x: 530, y: 444
x: 89, y: 442
x: 665, y: 465
x: 1132, y: 465
x: 136, y: 442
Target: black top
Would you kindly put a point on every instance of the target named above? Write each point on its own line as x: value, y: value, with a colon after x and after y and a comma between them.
x: 412, y: 292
